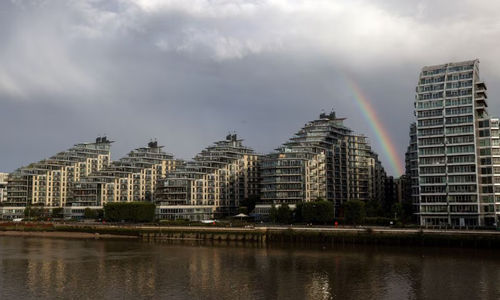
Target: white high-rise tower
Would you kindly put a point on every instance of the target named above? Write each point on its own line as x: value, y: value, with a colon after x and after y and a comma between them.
x: 458, y: 148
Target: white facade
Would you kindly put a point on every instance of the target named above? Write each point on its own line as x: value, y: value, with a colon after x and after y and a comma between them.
x: 457, y: 146
x: 3, y: 186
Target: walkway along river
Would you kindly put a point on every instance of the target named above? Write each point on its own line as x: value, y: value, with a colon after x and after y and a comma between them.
x: 273, y: 235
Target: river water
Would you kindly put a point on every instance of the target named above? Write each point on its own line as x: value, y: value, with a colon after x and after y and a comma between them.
x: 44, y: 268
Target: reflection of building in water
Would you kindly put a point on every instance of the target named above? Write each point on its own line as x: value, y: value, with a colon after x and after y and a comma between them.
x: 53, y: 270
x: 74, y: 269
x: 320, y: 287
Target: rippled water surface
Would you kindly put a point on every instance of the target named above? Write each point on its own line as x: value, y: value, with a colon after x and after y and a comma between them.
x: 43, y: 268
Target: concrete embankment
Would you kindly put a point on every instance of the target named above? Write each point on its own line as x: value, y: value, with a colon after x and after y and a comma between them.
x: 331, y: 236
x: 267, y: 235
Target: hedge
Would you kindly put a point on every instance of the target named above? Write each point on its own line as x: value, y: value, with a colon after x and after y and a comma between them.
x: 129, y: 212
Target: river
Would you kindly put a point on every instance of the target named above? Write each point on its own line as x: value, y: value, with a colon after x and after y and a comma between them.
x: 45, y: 268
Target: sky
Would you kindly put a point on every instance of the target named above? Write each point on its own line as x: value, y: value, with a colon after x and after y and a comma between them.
x: 188, y: 72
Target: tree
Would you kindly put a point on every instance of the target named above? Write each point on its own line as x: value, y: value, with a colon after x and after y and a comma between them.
x: 318, y: 212
x: 35, y: 212
x: 89, y: 213
x: 273, y: 214
x: 354, y: 212
x: 408, y: 211
x: 397, y: 211
x: 148, y: 197
x: 373, y: 209
x: 284, y: 214
x: 248, y: 204
x: 57, y: 212
x: 325, y: 211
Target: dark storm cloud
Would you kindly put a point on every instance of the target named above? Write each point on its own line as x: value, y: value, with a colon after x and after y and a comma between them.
x: 188, y: 72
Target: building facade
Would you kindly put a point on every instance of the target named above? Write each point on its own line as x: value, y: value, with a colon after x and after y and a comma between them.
x: 324, y: 160
x: 412, y: 190
x: 3, y: 186
x: 457, y: 145
x: 48, y: 182
x: 212, y: 185
x: 132, y: 178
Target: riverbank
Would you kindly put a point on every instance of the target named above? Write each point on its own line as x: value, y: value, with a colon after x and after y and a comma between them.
x: 264, y: 235
x: 64, y: 235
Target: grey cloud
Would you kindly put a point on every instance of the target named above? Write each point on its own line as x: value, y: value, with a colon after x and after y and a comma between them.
x: 187, y: 72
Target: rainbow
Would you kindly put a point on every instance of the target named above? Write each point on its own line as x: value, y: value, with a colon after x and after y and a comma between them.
x: 377, y: 126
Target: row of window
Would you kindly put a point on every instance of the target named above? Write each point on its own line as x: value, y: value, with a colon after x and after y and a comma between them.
x: 459, y: 120
x: 459, y: 110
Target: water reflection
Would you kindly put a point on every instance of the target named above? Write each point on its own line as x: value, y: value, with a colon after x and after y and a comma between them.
x: 54, y: 268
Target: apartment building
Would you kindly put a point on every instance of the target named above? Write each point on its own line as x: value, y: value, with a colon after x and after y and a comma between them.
x: 132, y: 178
x: 48, y: 182
x: 324, y: 160
x: 411, y: 170
x: 457, y: 145
x: 3, y: 186
x: 212, y: 185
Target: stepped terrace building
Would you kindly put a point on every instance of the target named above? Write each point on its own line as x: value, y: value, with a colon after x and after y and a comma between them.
x: 48, y: 182
x: 326, y: 160
x: 458, y: 154
x: 212, y: 185
x: 3, y: 187
x: 132, y: 178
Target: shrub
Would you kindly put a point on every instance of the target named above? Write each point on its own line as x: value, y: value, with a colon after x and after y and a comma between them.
x: 284, y: 214
x: 89, y: 213
x: 354, y: 212
x: 129, y: 211
x: 318, y: 212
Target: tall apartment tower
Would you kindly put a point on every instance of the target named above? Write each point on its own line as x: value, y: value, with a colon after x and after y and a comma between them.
x: 48, y: 182
x: 457, y: 142
x: 132, y: 178
x: 324, y: 160
x: 411, y: 188
x: 212, y: 185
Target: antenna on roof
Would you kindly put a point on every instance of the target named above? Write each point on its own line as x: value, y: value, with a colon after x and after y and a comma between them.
x: 322, y: 115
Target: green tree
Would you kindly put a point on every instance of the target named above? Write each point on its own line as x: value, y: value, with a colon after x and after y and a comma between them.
x: 99, y: 213
x: 325, y: 211
x: 34, y: 212
x: 354, y: 212
x: 248, y: 204
x: 148, y: 197
x: 318, y: 212
x: 373, y: 209
x: 284, y: 214
x: 408, y: 211
x: 397, y: 211
x: 57, y: 212
x: 89, y: 213
x: 273, y: 214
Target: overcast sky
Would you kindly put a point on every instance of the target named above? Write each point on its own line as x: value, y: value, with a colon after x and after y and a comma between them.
x: 188, y: 72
